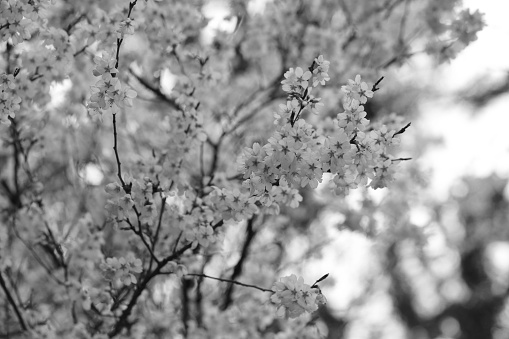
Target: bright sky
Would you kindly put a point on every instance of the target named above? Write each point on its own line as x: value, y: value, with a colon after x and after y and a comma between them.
x: 473, y: 144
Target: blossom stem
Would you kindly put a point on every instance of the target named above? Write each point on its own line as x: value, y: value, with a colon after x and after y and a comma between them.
x: 401, y: 131
x: 237, y: 270
x: 120, y: 40
x: 231, y: 282
x: 375, y: 86
x: 115, y: 148
x: 13, y: 304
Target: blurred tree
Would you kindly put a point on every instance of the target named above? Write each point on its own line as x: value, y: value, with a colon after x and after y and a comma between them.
x: 481, y: 212
x: 124, y: 211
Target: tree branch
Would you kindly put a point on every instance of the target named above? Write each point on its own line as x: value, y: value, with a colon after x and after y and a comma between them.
x: 124, y: 317
x: 115, y: 148
x: 237, y: 270
x: 13, y: 303
x: 231, y: 282
x: 402, y: 130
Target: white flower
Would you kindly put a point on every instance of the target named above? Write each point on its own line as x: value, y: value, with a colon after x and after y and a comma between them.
x: 293, y: 297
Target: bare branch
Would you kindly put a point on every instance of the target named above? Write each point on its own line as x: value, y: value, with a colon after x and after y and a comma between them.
x: 401, y: 131
x: 231, y: 282
x: 13, y: 303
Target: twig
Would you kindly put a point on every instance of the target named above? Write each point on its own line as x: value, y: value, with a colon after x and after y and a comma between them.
x: 319, y: 280
x: 142, y: 237
x: 123, y: 320
x: 159, y: 223
x: 80, y: 51
x: 402, y: 24
x: 184, y: 311
x: 13, y: 304
x: 120, y: 40
x: 74, y: 23
x: 115, y: 148
x: 231, y: 282
x: 401, y: 159
x: 401, y: 131
x: 237, y: 270
x: 156, y: 91
x: 177, y: 242
x: 16, y: 197
x: 375, y: 86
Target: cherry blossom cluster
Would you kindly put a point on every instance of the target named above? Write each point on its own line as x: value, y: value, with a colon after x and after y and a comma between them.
x: 357, y: 92
x: 139, y: 193
x: 293, y: 297
x: 194, y: 220
x: 15, y: 19
x: 108, y: 93
x: 38, y: 67
x: 9, y: 101
x: 122, y: 269
x: 169, y: 26
x: 185, y: 128
x: 234, y: 204
x: 126, y: 26
x: 297, y: 155
x: 467, y: 25
x: 91, y: 296
x: 364, y: 148
x: 453, y: 34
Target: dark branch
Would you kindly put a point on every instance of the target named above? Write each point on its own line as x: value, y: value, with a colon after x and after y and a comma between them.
x: 115, y: 148
x: 375, y: 86
x: 401, y: 159
x: 13, y: 303
x: 319, y: 280
x: 401, y: 131
x: 237, y: 270
x: 120, y: 40
x: 230, y: 281
x: 123, y: 321
x: 156, y: 91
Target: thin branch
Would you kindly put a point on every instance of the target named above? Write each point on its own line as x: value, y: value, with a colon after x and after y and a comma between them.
x: 159, y: 223
x: 120, y: 40
x: 375, y: 86
x: 401, y: 131
x: 319, y: 280
x: 156, y: 91
x: 16, y: 144
x: 252, y: 113
x: 402, y: 24
x: 115, y: 148
x: 184, y: 311
x: 202, y: 168
x: 74, y: 23
x: 401, y: 159
x: 142, y: 237
x: 215, y: 156
x: 231, y: 282
x: 123, y: 321
x: 177, y: 242
x: 13, y: 304
x: 198, y: 300
x: 36, y: 256
x: 237, y: 270
x: 80, y: 51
